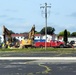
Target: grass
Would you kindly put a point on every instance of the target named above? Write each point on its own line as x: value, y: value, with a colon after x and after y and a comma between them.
x: 39, y: 50
x: 27, y: 49
x: 57, y: 51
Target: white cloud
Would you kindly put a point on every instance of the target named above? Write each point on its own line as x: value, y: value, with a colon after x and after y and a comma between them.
x: 73, y: 14
x: 69, y: 27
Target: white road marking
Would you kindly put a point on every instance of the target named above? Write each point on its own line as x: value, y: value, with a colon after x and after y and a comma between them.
x: 38, y: 58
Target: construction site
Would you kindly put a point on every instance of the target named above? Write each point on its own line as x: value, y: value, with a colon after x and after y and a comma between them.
x: 29, y: 40
x: 12, y: 42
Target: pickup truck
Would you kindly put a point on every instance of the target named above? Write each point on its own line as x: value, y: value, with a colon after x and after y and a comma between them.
x: 52, y: 43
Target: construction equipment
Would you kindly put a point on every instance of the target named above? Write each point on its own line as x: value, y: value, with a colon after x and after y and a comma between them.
x: 28, y: 42
x: 8, y: 40
x: 6, y: 36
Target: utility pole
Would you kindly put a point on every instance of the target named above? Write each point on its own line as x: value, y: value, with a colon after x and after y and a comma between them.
x: 45, y: 7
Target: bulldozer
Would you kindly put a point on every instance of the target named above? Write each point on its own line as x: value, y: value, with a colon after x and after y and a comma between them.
x: 28, y: 42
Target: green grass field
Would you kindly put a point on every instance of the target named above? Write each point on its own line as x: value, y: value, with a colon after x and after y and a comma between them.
x: 38, y: 49
x: 59, y: 51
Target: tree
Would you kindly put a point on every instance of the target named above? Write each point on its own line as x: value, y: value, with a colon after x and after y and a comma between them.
x: 50, y: 30
x: 62, y: 33
x: 65, y: 36
x: 36, y: 32
x: 73, y: 34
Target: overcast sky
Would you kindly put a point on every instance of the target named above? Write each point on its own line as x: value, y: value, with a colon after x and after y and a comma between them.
x: 20, y: 15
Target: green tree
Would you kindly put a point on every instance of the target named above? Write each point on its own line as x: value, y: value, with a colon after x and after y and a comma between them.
x: 62, y: 33
x: 36, y: 32
x: 73, y: 34
x: 50, y: 30
x: 65, y: 36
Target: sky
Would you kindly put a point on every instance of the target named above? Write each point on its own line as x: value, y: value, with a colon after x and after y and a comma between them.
x: 20, y: 15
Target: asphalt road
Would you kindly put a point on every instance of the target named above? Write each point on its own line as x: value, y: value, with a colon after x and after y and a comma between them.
x: 36, y: 67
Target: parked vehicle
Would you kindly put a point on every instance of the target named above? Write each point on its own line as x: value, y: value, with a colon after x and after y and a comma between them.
x: 52, y: 43
x: 56, y: 43
x: 73, y: 43
x: 68, y: 45
x: 42, y: 44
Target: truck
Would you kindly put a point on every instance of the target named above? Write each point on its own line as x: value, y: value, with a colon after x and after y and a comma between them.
x: 52, y: 43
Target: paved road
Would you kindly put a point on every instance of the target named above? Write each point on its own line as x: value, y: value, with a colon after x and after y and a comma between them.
x: 37, y: 67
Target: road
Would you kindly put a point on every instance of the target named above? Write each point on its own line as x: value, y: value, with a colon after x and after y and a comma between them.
x: 38, y: 63
x: 41, y: 66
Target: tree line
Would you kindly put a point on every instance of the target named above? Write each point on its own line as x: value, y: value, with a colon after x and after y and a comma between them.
x: 51, y: 30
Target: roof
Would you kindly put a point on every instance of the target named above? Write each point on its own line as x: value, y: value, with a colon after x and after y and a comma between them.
x: 37, y: 34
x: 26, y: 34
x: 17, y: 35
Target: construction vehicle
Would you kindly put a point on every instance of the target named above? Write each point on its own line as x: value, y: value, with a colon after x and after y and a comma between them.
x: 29, y: 41
x: 8, y: 40
x: 7, y: 37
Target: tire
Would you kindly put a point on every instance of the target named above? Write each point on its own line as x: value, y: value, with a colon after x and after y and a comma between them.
x: 61, y: 46
x: 23, y: 47
x: 41, y: 46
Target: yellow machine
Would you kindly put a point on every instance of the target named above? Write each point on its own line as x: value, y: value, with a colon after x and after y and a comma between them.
x: 28, y: 42
x: 6, y: 34
x: 8, y: 40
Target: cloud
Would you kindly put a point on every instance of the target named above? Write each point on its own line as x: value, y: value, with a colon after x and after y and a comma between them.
x: 3, y: 16
x: 15, y: 19
x: 11, y: 10
x: 17, y: 27
x: 59, y: 28
x: 72, y: 14
x: 55, y: 13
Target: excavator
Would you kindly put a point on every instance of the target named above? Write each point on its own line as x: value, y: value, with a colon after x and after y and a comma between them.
x: 8, y: 40
x: 6, y: 34
x: 29, y: 42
